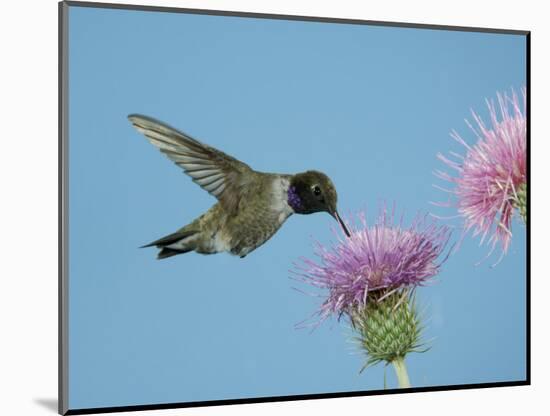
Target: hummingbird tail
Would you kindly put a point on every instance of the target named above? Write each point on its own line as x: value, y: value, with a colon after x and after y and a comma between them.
x: 173, y: 244
x: 170, y: 239
x: 166, y: 252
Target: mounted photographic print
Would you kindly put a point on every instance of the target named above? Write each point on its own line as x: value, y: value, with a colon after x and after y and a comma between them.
x: 266, y: 208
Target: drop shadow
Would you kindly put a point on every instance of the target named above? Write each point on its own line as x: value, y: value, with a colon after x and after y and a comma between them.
x: 49, y: 404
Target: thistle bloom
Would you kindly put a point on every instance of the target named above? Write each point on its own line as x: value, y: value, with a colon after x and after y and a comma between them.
x: 386, y: 256
x: 492, y: 178
x: 368, y: 277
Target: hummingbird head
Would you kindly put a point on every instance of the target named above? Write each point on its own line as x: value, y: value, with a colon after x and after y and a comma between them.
x: 313, y: 191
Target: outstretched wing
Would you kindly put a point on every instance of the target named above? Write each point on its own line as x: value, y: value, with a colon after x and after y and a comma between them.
x: 221, y: 175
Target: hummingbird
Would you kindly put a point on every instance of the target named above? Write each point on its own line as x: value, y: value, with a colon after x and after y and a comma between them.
x: 251, y: 206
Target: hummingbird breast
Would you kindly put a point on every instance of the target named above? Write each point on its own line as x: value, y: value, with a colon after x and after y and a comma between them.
x: 260, y: 215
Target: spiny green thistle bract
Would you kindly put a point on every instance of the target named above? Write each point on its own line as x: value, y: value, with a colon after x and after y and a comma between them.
x: 389, y: 327
x: 521, y: 202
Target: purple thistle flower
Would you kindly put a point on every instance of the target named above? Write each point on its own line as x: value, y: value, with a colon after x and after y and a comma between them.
x: 491, y: 178
x: 383, y: 256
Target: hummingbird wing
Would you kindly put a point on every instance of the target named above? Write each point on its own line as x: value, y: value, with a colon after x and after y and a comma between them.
x: 219, y: 174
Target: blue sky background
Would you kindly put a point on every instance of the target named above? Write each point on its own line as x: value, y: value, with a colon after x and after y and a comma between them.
x: 370, y: 106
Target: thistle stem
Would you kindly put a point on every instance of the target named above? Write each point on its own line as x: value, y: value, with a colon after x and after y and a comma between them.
x: 401, y: 372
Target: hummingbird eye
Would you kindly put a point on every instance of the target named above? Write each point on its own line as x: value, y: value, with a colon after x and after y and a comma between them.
x: 316, y: 190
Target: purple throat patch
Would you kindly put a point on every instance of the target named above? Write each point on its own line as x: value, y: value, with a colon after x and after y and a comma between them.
x: 293, y: 198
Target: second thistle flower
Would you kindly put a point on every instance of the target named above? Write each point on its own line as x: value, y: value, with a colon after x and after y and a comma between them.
x: 491, y: 178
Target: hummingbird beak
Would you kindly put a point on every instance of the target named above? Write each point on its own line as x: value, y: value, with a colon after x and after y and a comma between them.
x: 341, y: 222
